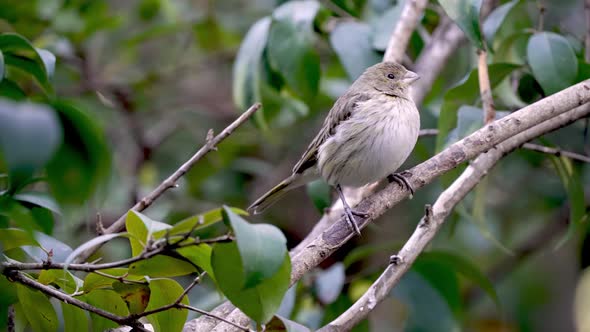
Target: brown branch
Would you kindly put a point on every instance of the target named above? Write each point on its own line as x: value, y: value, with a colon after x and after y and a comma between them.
x: 170, y: 182
x: 435, y: 217
x: 408, y: 20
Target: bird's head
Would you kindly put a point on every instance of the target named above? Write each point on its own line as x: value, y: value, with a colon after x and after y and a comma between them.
x: 389, y: 78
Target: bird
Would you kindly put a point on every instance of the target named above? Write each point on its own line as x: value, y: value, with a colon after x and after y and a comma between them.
x: 367, y: 135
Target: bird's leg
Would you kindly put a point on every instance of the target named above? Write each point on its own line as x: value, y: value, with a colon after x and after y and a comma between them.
x: 402, y: 181
x: 350, y: 213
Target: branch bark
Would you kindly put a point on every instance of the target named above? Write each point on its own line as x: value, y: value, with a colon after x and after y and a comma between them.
x: 170, y: 182
x: 432, y: 222
x: 409, y: 18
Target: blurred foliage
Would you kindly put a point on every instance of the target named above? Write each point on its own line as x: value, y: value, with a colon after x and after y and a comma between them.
x: 101, y: 100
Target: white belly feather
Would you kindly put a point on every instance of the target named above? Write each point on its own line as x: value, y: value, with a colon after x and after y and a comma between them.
x: 373, y: 143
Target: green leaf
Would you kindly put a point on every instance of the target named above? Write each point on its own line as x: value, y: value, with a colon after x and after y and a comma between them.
x: 29, y: 137
x: 352, y: 43
x: 442, y: 278
x: 162, y: 266
x: 290, y: 46
x: 466, y: 93
x: 107, y: 300
x: 259, y: 302
x: 164, y: 292
x: 383, y: 26
x: 16, y: 237
x: 19, y: 52
x: 201, y: 221
x: 63, y: 279
x: 329, y: 283
x: 495, y: 20
x: 91, y: 244
x: 39, y: 199
x: 282, y: 324
x: 142, y: 228
x: 199, y: 255
x: 262, y: 248
x: 83, y: 161
x: 552, y: 60
x: 11, y: 90
x: 248, y: 68
x: 43, y: 317
x: 75, y: 319
x: 320, y: 193
x: 574, y: 186
x: 467, y: 269
x: 95, y: 281
x: 136, y: 296
x: 466, y: 14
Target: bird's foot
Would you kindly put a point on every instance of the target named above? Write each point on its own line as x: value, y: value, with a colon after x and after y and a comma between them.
x: 402, y: 181
x: 349, y: 214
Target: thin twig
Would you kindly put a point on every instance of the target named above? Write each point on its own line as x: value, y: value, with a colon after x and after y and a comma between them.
x: 489, y: 111
x: 556, y: 152
x: 171, y: 181
x: 120, y: 278
x: 541, y: 7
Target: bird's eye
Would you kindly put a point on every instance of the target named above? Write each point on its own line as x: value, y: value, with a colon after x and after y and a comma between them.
x: 390, y: 76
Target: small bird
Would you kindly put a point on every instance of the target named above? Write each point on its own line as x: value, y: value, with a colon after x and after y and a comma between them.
x: 368, y: 134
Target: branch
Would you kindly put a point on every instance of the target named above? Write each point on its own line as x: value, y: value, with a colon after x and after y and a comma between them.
x: 489, y: 111
x: 433, y: 220
x: 170, y: 182
x: 409, y: 18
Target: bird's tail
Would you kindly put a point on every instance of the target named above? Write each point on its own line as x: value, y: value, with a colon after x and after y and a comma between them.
x: 275, y: 194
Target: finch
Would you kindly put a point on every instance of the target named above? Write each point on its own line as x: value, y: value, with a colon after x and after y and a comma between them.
x: 368, y: 134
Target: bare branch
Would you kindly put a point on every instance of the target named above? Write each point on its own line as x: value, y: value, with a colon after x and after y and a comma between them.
x: 556, y: 152
x: 170, y: 182
x: 432, y: 222
x: 485, y: 90
x: 409, y: 18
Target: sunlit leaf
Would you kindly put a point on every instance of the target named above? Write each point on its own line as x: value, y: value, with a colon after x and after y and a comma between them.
x: 352, y: 43
x: 141, y: 228
x: 75, y: 319
x: 466, y: 14
x: 552, y: 60
x: 164, y: 292
x: 162, y: 266
x: 96, y: 281
x: 201, y: 221
x: 63, y: 279
x: 15, y: 237
x: 199, y: 255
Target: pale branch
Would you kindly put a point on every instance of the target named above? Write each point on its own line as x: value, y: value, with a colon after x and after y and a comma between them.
x: 482, y: 140
x: 556, y: 152
x: 171, y: 181
x: 532, y: 147
x: 485, y: 90
x: 435, y: 217
x: 409, y: 19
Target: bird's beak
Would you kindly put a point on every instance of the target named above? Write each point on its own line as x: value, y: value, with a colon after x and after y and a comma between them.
x: 410, y: 77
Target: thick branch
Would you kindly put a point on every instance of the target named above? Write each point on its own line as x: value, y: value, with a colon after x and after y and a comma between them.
x: 432, y: 222
x: 170, y: 182
x: 409, y: 18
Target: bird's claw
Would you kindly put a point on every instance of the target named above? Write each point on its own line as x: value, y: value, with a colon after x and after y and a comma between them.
x: 402, y: 181
x: 350, y: 213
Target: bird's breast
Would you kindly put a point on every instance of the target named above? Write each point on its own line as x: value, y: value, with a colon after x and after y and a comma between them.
x: 373, y: 143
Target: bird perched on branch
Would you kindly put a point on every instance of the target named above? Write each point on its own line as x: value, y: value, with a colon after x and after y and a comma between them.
x: 368, y: 134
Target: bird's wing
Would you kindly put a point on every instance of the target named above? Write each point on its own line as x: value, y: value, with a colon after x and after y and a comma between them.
x: 341, y: 111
